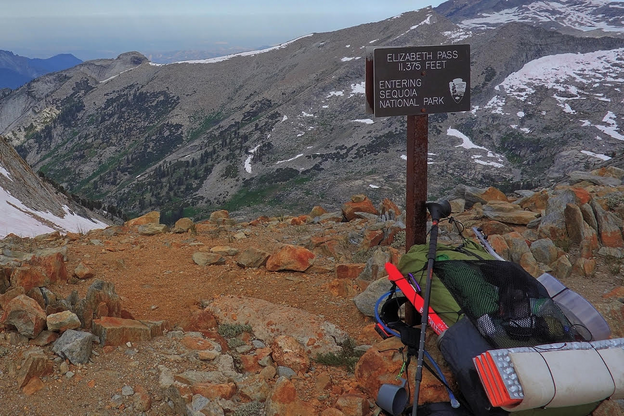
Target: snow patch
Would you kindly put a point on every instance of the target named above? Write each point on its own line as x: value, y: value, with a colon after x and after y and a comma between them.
x: 363, y: 120
x: 359, y: 88
x: 22, y: 221
x: 289, y: 160
x: 611, y: 128
x: 457, y: 35
x: 250, y: 157
x: 466, y: 142
x: 555, y: 72
x: 469, y: 145
x: 335, y: 94
x: 596, y: 155
x: 487, y: 163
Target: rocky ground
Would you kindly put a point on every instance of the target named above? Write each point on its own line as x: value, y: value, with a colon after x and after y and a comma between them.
x: 229, y: 318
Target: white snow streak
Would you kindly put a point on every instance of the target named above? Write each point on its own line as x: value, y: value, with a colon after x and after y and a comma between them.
x: 611, y: 128
x: 115, y: 76
x: 335, y: 94
x: 596, y: 155
x: 469, y: 145
x: 248, y: 53
x: 466, y: 142
x: 249, y: 158
x: 289, y: 160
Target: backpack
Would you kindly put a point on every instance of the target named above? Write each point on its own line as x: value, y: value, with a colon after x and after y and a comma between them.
x: 415, y: 262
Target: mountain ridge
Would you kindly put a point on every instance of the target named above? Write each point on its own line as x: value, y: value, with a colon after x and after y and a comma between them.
x: 287, y: 126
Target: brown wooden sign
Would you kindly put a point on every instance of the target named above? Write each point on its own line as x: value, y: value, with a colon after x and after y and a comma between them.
x: 418, y: 80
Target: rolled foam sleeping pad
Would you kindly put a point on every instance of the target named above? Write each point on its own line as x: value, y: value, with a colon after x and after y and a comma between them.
x: 563, y: 378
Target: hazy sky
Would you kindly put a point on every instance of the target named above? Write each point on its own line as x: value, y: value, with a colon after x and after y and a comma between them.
x: 105, y: 28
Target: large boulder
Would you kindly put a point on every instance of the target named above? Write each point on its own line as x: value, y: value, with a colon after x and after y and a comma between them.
x: 381, y: 363
x: 52, y: 264
x: 508, y: 213
x: 574, y: 223
x: 270, y: 320
x: 62, y: 321
x: 29, y: 277
x: 152, y: 229
x: 289, y: 257
x: 288, y: 352
x: 203, y: 258
x: 149, y: 218
x: 284, y: 400
x: 365, y: 301
x: 544, y: 251
x: 35, y: 364
x: 553, y: 223
x: 26, y: 315
x: 358, y: 203
x: 608, y: 227
x: 517, y: 246
x: 252, y: 257
x: 100, y: 300
x: 118, y: 331
x: 76, y: 346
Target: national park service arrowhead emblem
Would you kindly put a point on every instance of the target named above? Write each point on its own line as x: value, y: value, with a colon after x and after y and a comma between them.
x: 458, y: 89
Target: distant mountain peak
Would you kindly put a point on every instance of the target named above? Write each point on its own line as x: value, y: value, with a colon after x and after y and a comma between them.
x: 16, y: 70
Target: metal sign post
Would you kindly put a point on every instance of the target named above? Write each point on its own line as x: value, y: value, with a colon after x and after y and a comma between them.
x: 416, y: 192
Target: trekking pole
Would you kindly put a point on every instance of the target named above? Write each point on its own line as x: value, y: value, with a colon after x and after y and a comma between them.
x: 438, y: 210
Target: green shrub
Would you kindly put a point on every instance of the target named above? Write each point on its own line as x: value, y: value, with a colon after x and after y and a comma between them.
x: 233, y: 330
x: 347, y: 357
x: 250, y: 409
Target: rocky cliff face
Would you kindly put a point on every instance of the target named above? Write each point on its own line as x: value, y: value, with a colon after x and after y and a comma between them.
x: 287, y: 126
